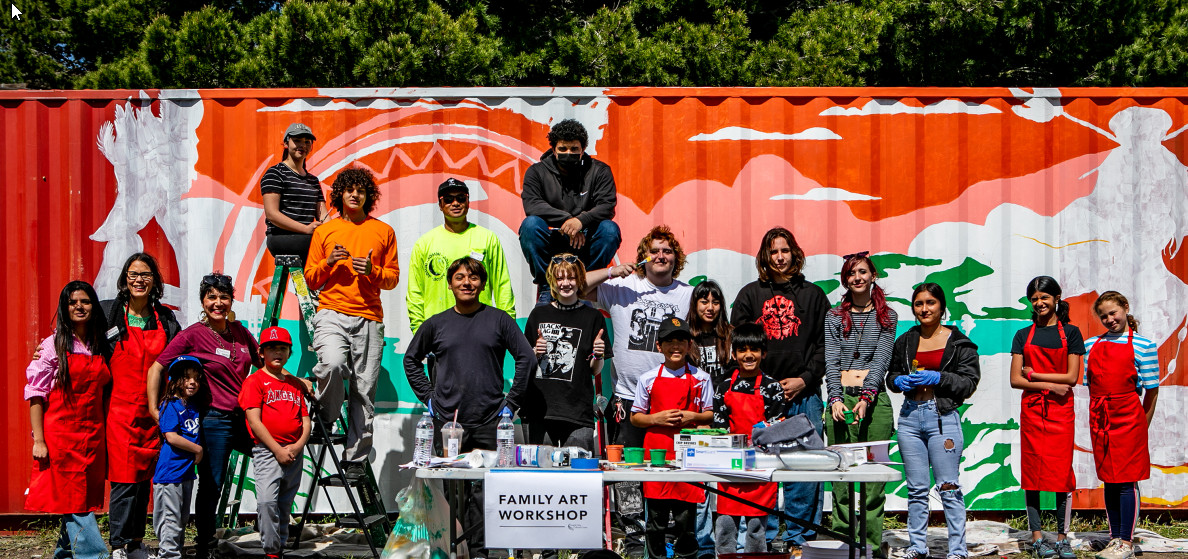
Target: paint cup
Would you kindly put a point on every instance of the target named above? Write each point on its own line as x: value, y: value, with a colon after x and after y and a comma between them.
x: 658, y: 456
x: 849, y: 414
x: 614, y: 453
x: 633, y: 455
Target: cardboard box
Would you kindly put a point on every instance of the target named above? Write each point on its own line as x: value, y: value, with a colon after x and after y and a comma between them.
x: 709, y: 458
x: 683, y: 441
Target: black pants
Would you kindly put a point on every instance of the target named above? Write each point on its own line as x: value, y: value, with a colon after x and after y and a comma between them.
x: 128, y: 513
x: 628, y: 435
x: 471, y: 515
x: 292, y: 243
x: 683, y: 515
x: 560, y: 433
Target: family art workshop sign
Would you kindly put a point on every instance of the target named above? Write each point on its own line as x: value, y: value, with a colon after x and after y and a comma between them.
x: 543, y: 509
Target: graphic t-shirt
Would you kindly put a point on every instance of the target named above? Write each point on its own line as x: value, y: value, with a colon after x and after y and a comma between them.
x: 281, y: 402
x: 562, y: 386
x: 636, y: 307
x: 300, y: 195
x: 770, y: 389
x: 428, y: 289
x: 708, y: 358
x: 174, y: 465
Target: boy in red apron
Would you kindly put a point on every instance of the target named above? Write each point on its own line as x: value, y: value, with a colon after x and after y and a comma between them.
x: 1117, y: 365
x: 749, y: 397
x: 1045, y: 365
x: 675, y: 396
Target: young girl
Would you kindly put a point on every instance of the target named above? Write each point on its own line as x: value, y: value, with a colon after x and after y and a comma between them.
x: 293, y: 201
x: 67, y: 384
x: 936, y: 367
x: 1119, y: 364
x: 175, y: 473
x: 1045, y: 358
x: 859, y: 336
x: 711, y: 330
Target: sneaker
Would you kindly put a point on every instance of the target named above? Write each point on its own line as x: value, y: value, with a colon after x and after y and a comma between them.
x: 955, y: 556
x: 119, y: 553
x: 1043, y: 549
x: 1117, y: 549
x: 354, y: 471
x: 1064, y: 550
x: 913, y: 553
x: 142, y: 552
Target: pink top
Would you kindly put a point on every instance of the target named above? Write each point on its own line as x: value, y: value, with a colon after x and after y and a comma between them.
x: 40, y: 373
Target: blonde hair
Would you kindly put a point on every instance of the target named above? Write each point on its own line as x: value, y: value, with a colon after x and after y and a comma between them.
x: 1120, y: 300
x: 562, y: 267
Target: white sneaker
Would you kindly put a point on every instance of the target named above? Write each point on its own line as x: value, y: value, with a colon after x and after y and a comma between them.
x: 119, y: 554
x: 1116, y: 549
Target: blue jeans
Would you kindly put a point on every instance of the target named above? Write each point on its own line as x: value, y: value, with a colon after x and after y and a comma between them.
x: 222, y: 432
x: 926, y: 440
x: 704, y: 528
x: 540, y: 244
x: 79, y: 538
x: 801, y: 500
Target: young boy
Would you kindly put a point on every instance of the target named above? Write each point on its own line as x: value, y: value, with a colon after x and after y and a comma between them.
x: 674, y: 396
x: 274, y: 402
x: 746, y: 399
x: 174, y: 476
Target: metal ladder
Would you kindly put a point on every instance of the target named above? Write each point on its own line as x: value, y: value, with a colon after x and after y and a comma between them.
x: 289, y: 267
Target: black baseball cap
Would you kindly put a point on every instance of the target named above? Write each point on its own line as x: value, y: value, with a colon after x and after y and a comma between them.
x: 673, y: 327
x: 452, y: 184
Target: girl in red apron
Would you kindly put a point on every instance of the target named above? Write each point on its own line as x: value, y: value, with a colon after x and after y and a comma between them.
x: 747, y: 397
x: 1120, y: 363
x: 139, y: 329
x: 677, y: 395
x: 1045, y: 365
x: 67, y: 384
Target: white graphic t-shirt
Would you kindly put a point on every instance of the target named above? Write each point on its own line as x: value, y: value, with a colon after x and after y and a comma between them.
x: 636, y: 307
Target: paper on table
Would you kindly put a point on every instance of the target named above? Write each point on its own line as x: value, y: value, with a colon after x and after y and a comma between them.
x: 876, y: 451
x: 763, y: 474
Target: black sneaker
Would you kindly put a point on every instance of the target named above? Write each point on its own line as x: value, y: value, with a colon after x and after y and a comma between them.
x: 354, y: 471
x: 1043, y: 549
x: 1064, y: 550
x: 915, y: 554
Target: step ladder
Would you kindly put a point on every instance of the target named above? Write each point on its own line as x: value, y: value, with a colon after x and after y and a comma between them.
x: 289, y: 268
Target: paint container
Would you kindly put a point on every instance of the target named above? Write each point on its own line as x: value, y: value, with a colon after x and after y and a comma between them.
x: 633, y: 455
x: 658, y: 456
x: 614, y: 453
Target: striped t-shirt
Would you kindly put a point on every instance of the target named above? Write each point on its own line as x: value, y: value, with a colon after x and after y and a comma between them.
x: 1146, y: 357
x: 868, y: 340
x: 299, y: 195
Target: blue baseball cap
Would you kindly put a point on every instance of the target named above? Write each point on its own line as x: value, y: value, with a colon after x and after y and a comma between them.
x: 180, y: 360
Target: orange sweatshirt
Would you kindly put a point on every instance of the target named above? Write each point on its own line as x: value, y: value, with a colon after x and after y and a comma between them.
x: 342, y: 289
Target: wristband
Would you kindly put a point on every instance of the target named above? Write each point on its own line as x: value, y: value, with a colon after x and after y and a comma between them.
x: 1028, y: 373
x: 867, y: 396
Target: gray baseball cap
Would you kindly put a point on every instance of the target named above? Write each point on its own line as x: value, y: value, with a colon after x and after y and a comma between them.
x: 298, y: 129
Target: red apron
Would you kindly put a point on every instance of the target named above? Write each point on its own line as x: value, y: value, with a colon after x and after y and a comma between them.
x: 133, y: 441
x: 671, y: 393
x: 745, y: 411
x: 1117, y: 421
x: 70, y: 480
x: 1046, y: 423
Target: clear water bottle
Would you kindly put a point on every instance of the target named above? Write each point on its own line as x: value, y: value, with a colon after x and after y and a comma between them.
x: 423, y: 444
x: 505, y: 440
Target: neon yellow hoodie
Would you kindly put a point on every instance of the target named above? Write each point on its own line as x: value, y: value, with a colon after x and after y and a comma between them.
x: 428, y: 288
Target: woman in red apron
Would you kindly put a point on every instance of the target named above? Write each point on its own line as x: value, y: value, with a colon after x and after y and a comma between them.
x: 66, y: 385
x: 1045, y: 365
x: 1118, y: 365
x: 747, y: 398
x: 139, y: 328
x: 680, y: 396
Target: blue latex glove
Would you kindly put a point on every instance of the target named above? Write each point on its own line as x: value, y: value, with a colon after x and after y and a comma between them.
x: 904, y: 383
x: 926, y: 378
x: 429, y: 405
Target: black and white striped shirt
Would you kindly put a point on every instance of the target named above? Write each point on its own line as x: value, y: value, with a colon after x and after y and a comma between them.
x: 299, y: 195
x: 872, y: 343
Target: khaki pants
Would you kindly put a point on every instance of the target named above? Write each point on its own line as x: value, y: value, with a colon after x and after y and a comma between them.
x: 349, y: 349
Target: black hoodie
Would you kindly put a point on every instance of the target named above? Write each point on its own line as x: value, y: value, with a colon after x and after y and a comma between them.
x: 588, y: 193
x: 793, y: 315
x: 960, y: 369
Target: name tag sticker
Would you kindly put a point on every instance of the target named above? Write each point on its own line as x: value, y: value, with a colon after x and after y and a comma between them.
x: 476, y: 256
x: 224, y: 353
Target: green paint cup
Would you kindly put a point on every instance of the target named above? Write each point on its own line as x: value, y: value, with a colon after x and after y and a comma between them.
x: 658, y: 456
x: 633, y: 455
x: 849, y: 416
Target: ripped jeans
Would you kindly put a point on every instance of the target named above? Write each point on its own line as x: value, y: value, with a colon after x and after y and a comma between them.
x: 925, y: 441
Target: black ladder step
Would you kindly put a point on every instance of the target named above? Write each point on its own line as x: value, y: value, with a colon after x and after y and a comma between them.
x: 335, y: 480
x: 320, y: 438
x: 368, y: 521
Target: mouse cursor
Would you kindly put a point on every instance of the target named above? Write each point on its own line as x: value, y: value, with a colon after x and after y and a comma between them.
x: 16, y: 13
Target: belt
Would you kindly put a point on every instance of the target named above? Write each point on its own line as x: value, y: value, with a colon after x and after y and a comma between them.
x: 852, y: 390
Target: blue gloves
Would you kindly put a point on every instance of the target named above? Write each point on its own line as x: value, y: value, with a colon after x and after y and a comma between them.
x: 904, y: 383
x: 925, y: 378
x: 429, y: 405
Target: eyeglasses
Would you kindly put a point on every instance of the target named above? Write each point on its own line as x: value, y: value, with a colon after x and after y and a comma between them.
x: 565, y: 258
x: 133, y: 276
x: 451, y: 198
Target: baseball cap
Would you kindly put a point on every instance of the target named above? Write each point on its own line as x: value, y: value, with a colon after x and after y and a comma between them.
x: 673, y: 327
x: 452, y: 184
x: 275, y: 335
x: 179, y: 365
x: 298, y: 129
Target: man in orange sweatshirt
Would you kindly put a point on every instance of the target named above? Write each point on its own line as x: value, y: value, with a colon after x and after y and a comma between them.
x: 351, y: 258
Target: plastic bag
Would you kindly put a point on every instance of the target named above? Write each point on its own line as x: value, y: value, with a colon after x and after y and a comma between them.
x: 423, y: 529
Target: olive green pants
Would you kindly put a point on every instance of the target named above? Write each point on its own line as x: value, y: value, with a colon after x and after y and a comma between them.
x: 878, y: 425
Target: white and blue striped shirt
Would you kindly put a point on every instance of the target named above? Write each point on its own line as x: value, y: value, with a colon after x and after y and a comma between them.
x: 1146, y: 357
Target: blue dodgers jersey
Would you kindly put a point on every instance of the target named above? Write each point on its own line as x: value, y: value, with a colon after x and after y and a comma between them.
x: 173, y: 465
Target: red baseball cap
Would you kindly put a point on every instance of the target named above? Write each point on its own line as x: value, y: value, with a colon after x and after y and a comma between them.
x: 275, y: 335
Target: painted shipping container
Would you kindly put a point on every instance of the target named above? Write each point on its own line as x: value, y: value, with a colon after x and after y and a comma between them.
x: 976, y: 189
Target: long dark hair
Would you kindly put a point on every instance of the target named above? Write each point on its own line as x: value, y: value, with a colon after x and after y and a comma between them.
x: 1048, y: 284
x: 158, y: 289
x: 720, y: 328
x: 933, y: 289
x: 882, y: 311
x: 763, y: 258
x: 95, y: 337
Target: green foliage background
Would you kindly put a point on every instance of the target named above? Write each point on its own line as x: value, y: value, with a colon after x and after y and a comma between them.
x: 425, y: 43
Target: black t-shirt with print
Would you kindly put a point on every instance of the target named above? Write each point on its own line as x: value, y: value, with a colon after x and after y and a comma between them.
x: 562, y: 386
x: 708, y: 359
x: 773, y: 399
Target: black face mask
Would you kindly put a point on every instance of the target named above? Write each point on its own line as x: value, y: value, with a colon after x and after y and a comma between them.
x: 568, y: 160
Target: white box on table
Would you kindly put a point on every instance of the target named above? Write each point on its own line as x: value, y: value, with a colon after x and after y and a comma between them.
x: 683, y: 441
x: 710, y: 458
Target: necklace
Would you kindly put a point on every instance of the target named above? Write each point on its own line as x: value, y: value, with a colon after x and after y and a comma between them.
x: 220, y: 339
x: 861, y: 332
x: 565, y: 307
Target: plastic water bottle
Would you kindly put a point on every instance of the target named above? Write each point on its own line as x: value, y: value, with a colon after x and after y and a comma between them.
x: 423, y: 445
x: 505, y: 440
